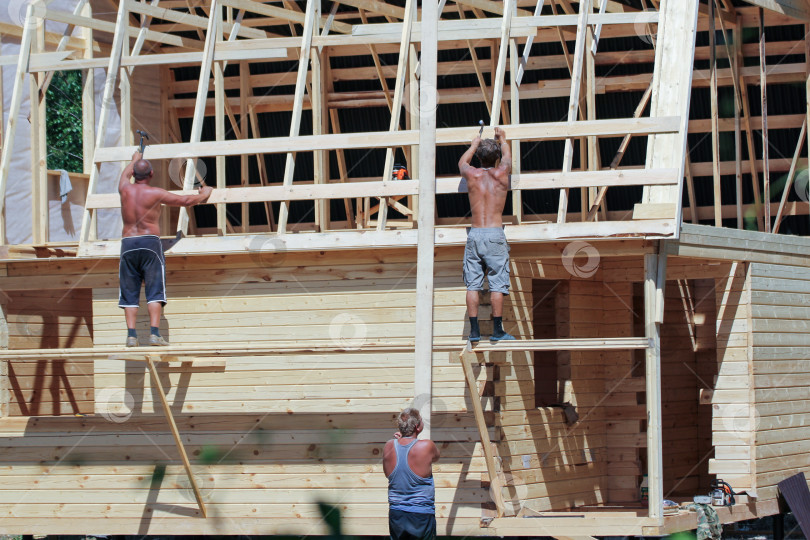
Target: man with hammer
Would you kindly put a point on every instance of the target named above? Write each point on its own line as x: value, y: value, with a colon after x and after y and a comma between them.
x: 487, y: 252
x: 141, y: 250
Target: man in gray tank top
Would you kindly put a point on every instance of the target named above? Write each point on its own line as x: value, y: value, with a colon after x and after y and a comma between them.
x: 407, y: 462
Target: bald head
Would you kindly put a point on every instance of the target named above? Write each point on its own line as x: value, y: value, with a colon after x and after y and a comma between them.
x: 142, y: 169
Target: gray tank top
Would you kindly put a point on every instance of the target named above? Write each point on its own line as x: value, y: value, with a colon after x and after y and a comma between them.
x: 407, y: 490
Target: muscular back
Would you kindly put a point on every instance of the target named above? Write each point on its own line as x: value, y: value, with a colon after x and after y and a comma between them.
x: 140, y: 209
x: 420, y: 459
x: 487, y: 189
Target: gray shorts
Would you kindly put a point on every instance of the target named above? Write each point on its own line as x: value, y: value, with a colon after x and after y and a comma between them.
x: 487, y: 253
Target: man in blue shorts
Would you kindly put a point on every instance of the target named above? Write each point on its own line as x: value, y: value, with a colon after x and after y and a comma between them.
x: 408, y: 464
x: 142, y: 258
x: 487, y: 252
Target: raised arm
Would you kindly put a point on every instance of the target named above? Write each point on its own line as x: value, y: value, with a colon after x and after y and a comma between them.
x: 172, y: 199
x: 128, y: 171
x: 464, y: 162
x: 506, y: 152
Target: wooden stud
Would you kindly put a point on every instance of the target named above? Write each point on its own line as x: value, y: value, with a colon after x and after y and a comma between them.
x: 789, y: 182
x: 655, y: 470
x: 298, y: 105
x: 573, y: 102
x: 718, y: 220
x: 527, y: 48
x: 500, y: 70
x: 514, y: 101
x: 199, y: 109
x: 399, y: 90
x: 763, y: 89
x: 423, y: 349
x: 321, y: 174
x: 749, y: 137
x: 158, y: 387
x: 39, y: 151
x: 219, y: 127
x: 88, y: 99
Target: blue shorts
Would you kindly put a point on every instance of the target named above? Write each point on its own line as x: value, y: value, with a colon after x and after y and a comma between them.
x: 404, y: 525
x: 486, y: 254
x: 142, y: 261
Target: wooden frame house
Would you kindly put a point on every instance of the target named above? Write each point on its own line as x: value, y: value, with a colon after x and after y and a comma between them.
x: 662, y: 330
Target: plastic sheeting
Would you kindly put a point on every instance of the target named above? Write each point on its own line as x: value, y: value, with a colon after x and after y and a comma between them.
x: 64, y: 219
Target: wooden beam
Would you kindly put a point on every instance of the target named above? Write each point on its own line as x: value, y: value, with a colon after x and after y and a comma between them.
x: 655, y: 473
x: 319, y: 127
x: 672, y: 90
x: 500, y: 70
x: 527, y: 48
x: 13, y: 112
x: 797, y: 9
x: 399, y: 90
x: 158, y: 388
x: 39, y: 151
x: 495, y: 481
x: 375, y: 6
x: 295, y: 124
x: 749, y: 137
x: 763, y: 90
x: 286, y: 14
x: 385, y: 139
x: 718, y: 220
x: 426, y: 238
x: 192, y: 20
x: 573, y: 102
x: 88, y: 231
x: 199, y: 109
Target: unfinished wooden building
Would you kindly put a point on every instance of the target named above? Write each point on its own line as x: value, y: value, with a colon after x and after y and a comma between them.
x: 661, y: 308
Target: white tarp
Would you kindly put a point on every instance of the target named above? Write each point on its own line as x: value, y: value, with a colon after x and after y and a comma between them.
x: 65, y: 219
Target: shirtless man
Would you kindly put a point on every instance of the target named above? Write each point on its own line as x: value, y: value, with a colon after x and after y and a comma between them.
x: 487, y: 250
x: 408, y: 465
x: 141, y: 251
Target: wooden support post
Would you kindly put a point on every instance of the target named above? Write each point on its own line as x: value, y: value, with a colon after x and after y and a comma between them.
x: 244, y: 118
x: 514, y: 102
x: 214, y: 23
x: 320, y: 163
x: 121, y: 26
x: 219, y: 127
x: 495, y: 483
x: 573, y: 101
x: 399, y: 90
x: 749, y: 134
x: 298, y: 106
x: 423, y: 350
x: 763, y: 88
x: 88, y: 98
x: 671, y: 94
x: 735, y: 61
x: 718, y: 202
x: 476, y: 66
x: 690, y: 188
x: 39, y: 149
x: 589, y: 197
x: 655, y: 472
x: 412, y: 122
x: 500, y: 71
x: 150, y: 362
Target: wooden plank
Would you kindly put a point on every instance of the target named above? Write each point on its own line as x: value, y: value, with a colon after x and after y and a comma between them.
x: 446, y: 136
x: 718, y: 219
x: 492, y: 471
x: 298, y: 100
x: 789, y: 180
x: 653, y: 378
x: 763, y: 89
x: 585, y: 8
x: 199, y: 109
x: 170, y: 418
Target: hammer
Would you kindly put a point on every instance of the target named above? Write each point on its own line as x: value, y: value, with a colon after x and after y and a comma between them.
x: 142, y: 134
x: 480, y: 131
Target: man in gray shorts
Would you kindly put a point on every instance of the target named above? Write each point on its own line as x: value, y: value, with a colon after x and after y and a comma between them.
x: 487, y: 251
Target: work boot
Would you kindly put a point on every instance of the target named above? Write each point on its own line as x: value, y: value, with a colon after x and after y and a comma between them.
x: 502, y: 336
x: 158, y: 341
x: 132, y: 341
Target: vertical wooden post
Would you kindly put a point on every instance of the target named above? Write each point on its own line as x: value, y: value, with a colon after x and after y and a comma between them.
x: 718, y: 210
x: 39, y: 147
x: 423, y: 361
x: 298, y: 105
x: 320, y: 169
x: 244, y: 128
x: 219, y: 127
x: 763, y: 88
x: 500, y: 71
x: 121, y: 25
x: 573, y: 101
x: 514, y: 101
x: 399, y: 90
x: 214, y: 22
x: 749, y: 134
x: 653, y: 362
x: 88, y: 98
x: 413, y: 118
x: 590, y: 103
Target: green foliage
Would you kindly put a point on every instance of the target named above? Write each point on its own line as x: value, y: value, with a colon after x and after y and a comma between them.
x: 64, y: 121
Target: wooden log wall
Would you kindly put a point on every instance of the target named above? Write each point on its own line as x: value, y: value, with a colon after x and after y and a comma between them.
x: 779, y: 322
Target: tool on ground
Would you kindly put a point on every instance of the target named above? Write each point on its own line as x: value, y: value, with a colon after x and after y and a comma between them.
x: 480, y: 131
x: 722, y: 494
x: 142, y: 134
x: 399, y: 172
